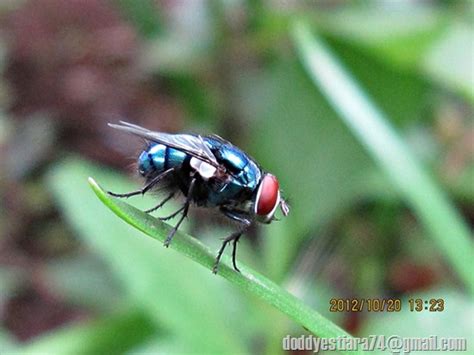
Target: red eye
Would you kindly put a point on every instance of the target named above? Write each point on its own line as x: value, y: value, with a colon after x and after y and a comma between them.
x: 268, y: 195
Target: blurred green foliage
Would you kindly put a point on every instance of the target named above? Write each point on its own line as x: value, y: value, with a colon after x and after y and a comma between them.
x: 231, y: 68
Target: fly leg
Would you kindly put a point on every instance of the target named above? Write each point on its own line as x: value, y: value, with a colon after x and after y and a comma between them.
x: 161, y: 204
x: 234, y: 252
x: 184, y: 209
x: 145, y: 188
x: 174, y: 214
x: 234, y: 237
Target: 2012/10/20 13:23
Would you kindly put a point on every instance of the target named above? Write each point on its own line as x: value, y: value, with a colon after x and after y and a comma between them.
x: 210, y: 172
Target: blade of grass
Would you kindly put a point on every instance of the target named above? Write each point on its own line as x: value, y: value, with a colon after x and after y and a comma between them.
x: 159, y: 281
x: 248, y: 280
x: 392, y: 154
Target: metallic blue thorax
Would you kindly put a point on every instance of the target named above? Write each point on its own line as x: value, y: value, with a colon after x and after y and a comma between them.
x: 244, y: 174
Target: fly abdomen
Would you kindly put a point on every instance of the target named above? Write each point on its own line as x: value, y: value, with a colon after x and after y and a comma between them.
x: 158, y: 158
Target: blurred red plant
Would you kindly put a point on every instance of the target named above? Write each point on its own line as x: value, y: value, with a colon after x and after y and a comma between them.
x: 76, y: 56
x: 78, y: 62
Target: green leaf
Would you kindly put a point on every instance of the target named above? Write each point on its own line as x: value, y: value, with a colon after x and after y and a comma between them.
x: 390, y: 152
x: 83, y: 280
x: 299, y: 138
x: 399, y: 36
x: 450, y: 60
x: 112, y: 335
x: 248, y: 280
x: 166, y: 345
x: 144, y: 15
x: 174, y: 292
x: 424, y: 40
x: 399, y: 91
x: 8, y: 343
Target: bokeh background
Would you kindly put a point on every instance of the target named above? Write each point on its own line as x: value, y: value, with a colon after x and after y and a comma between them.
x: 74, y: 278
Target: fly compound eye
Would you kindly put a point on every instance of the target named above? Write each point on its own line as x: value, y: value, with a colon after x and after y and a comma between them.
x: 268, y: 198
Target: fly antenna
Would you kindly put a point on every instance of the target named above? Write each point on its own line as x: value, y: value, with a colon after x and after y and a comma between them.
x: 285, y: 208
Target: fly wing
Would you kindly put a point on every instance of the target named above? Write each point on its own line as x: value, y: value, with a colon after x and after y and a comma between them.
x: 190, y: 144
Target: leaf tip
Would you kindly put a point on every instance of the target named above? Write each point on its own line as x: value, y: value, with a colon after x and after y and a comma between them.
x: 92, y: 182
x: 95, y: 186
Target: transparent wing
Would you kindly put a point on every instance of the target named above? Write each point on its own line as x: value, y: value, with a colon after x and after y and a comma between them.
x: 219, y: 138
x: 192, y: 145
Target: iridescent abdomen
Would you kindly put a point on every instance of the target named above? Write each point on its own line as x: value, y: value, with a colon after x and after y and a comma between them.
x: 158, y: 158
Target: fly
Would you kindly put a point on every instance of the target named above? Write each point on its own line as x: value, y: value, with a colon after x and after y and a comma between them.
x: 210, y: 172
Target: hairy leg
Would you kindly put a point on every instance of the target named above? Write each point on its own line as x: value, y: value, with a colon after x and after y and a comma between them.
x: 184, y: 209
x: 162, y: 203
x: 145, y: 188
x: 234, y: 237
